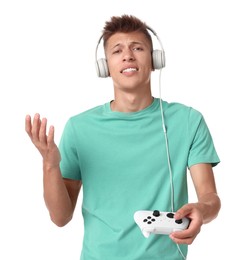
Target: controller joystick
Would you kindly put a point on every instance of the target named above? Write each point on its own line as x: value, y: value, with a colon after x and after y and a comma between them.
x: 156, y: 213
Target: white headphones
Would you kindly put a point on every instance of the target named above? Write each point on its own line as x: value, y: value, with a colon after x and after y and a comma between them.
x: 158, y: 58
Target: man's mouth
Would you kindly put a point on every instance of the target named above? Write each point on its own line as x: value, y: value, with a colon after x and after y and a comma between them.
x: 129, y: 70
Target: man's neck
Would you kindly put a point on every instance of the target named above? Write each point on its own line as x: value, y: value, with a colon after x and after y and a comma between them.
x: 131, y: 102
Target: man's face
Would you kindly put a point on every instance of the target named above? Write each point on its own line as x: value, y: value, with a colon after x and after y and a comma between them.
x: 129, y: 60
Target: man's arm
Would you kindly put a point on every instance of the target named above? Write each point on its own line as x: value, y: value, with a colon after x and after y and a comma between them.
x: 60, y: 194
x: 208, y: 200
x: 205, y: 209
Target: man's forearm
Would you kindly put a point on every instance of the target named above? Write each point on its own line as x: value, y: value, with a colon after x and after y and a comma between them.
x: 56, y: 196
x: 209, y: 205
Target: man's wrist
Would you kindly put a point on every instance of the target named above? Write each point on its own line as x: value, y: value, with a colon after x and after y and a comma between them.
x: 47, y: 166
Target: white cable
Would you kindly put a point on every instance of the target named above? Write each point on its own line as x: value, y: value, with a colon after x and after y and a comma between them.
x: 167, y: 149
x: 168, y: 157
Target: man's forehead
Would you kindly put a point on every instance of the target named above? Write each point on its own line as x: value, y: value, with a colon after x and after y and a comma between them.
x: 120, y: 38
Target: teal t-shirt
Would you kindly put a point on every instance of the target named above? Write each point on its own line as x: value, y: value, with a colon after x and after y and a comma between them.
x: 122, y: 162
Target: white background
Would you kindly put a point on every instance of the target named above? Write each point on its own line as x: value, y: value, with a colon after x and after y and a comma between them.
x: 47, y: 55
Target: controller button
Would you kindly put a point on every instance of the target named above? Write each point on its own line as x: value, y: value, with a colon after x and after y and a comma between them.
x: 145, y: 220
x: 170, y: 215
x: 153, y: 219
x: 149, y: 217
x: 179, y: 221
x: 156, y: 213
x: 149, y: 222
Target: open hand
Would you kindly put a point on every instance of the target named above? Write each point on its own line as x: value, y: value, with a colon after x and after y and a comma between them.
x: 43, y: 142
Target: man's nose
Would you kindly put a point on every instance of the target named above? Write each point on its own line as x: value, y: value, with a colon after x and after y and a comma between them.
x: 128, y: 55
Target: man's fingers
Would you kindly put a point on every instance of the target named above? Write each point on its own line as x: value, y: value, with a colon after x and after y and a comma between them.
x: 35, y: 128
x: 50, y: 138
x: 28, y: 125
x: 42, y: 131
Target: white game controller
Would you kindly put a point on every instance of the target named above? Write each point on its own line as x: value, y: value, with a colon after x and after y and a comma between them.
x: 158, y: 222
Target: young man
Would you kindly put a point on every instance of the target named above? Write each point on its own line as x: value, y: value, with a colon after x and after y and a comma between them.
x: 117, y: 151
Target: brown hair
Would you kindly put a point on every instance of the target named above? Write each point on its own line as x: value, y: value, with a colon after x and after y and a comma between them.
x: 125, y: 24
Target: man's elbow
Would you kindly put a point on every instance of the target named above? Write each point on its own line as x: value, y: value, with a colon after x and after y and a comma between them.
x: 60, y: 221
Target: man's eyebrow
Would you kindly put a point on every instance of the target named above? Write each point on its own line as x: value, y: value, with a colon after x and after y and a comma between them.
x: 131, y: 43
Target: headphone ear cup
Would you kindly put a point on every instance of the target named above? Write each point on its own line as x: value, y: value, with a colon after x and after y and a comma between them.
x: 158, y: 59
x: 102, y: 68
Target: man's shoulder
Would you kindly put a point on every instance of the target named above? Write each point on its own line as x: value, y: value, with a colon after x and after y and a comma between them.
x: 182, y: 111
x: 178, y: 106
x: 88, y: 113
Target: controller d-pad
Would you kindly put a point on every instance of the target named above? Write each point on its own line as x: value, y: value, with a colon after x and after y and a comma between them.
x: 149, y: 220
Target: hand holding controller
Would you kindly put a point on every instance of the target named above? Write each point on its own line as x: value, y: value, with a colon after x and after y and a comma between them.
x: 158, y: 222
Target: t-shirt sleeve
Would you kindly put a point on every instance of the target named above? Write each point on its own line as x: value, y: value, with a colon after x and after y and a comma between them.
x: 202, y: 149
x: 69, y: 164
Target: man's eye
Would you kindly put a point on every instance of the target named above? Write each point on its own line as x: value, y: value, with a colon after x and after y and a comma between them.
x: 116, y: 51
x: 137, y: 49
